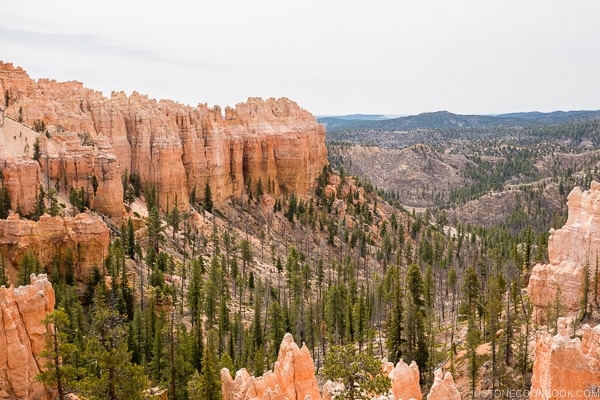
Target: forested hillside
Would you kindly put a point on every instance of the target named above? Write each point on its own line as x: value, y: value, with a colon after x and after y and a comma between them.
x: 336, y: 267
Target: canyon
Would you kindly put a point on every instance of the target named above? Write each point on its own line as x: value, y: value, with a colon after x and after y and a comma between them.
x: 63, y: 137
x: 173, y: 147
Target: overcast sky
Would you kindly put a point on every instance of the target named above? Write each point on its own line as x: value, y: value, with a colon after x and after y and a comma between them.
x: 332, y: 57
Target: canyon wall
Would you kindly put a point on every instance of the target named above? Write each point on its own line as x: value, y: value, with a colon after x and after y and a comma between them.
x: 23, y: 338
x: 570, y: 249
x: 176, y: 148
x: 86, y: 237
x: 566, y: 368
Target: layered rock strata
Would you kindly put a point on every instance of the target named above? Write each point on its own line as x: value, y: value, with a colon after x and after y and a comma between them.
x: 23, y: 338
x: 292, y: 378
x: 174, y: 147
x: 570, y: 249
x: 86, y: 237
x: 566, y: 368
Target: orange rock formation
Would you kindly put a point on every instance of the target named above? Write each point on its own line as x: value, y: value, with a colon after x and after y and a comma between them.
x: 293, y: 377
x: 175, y: 147
x: 87, y: 237
x: 405, y: 380
x: 570, y: 248
x: 566, y: 368
x: 23, y: 338
x: 443, y: 387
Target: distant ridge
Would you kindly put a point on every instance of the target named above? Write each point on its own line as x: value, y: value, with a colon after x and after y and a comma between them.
x: 445, y: 119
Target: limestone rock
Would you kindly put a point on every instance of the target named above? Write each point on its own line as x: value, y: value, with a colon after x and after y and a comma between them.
x: 443, y: 387
x: 293, y: 377
x: 566, y: 368
x: 176, y: 148
x: 405, y: 381
x: 571, y: 247
x: 23, y: 337
x: 86, y: 236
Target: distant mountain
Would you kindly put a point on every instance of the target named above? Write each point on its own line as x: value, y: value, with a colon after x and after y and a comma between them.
x: 554, y: 117
x: 445, y: 119
x: 357, y: 117
x: 337, y: 122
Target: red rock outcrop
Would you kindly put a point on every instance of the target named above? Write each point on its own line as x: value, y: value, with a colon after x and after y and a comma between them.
x: 21, y: 174
x: 443, y: 387
x: 21, y: 179
x: 23, y: 337
x: 86, y: 236
x: 566, y: 368
x: 570, y: 248
x: 292, y: 378
x: 175, y: 147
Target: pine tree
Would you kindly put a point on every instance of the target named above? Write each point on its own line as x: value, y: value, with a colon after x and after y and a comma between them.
x: 360, y: 372
x: 4, y: 198
x: 3, y: 276
x: 416, y: 340
x: 492, y: 310
x: 207, y: 385
x: 473, y: 340
x: 174, y: 219
x: 37, y: 154
x: 53, y: 200
x: 110, y: 373
x: 395, y: 339
x: 208, y: 201
x: 29, y: 265
x: 58, y: 372
x: 130, y: 240
x: 155, y: 228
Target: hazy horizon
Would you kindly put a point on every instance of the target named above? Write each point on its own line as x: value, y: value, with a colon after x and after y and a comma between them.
x: 335, y: 58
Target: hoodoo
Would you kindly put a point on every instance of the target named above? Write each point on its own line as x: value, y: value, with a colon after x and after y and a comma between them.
x: 22, y: 310
x: 570, y: 249
x: 176, y: 148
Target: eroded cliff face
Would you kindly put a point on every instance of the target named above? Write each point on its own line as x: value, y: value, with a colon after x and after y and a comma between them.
x: 86, y: 237
x: 570, y: 248
x: 292, y: 378
x: 23, y: 338
x: 566, y: 368
x: 175, y: 147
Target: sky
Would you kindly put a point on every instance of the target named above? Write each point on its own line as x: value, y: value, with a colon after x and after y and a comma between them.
x: 332, y: 57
